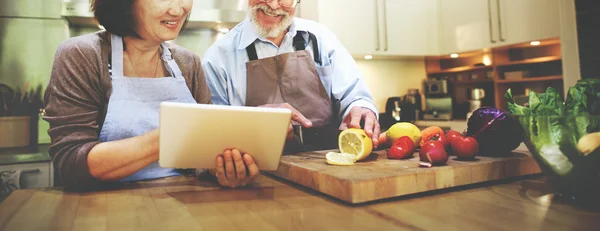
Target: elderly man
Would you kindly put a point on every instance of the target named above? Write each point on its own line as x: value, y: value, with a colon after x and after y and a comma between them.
x: 273, y: 59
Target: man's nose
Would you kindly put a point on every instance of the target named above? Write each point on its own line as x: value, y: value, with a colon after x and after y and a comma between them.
x: 274, y: 4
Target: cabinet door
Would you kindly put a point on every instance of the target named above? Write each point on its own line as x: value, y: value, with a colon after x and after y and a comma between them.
x: 466, y: 25
x: 34, y: 175
x: 411, y: 27
x: 354, y: 22
x: 523, y: 21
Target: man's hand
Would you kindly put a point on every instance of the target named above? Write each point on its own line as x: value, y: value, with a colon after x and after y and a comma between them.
x: 235, y: 169
x: 371, y: 125
x: 297, y: 118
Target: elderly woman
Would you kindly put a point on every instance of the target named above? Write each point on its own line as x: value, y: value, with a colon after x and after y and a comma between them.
x: 102, y: 101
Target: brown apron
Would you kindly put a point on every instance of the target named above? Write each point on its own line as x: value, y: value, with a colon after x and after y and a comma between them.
x: 290, y: 78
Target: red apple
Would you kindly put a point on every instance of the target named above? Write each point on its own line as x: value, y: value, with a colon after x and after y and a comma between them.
x: 465, y: 147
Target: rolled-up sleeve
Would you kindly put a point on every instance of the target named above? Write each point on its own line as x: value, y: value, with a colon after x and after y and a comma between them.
x: 73, y: 105
x: 348, y: 89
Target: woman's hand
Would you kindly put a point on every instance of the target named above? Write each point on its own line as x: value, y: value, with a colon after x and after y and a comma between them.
x: 235, y: 169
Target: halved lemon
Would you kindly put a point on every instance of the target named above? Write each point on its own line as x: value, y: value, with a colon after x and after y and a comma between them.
x: 355, y: 141
x: 335, y: 158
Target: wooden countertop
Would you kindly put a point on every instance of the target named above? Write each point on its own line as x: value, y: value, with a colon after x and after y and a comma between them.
x: 183, y: 203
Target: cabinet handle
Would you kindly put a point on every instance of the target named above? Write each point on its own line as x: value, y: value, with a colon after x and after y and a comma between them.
x: 499, y: 20
x: 490, y: 21
x: 377, y: 24
x: 385, y: 36
x: 30, y: 171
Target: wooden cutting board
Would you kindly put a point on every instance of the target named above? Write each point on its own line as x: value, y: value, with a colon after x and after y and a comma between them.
x: 379, y: 178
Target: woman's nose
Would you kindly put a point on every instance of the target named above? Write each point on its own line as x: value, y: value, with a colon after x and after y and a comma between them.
x: 176, y: 8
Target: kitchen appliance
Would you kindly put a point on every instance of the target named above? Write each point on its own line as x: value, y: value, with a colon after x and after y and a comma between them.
x: 436, y: 88
x: 438, y: 102
x: 405, y: 108
x: 477, y: 95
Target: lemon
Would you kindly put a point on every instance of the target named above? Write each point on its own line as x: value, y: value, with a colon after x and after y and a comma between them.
x: 335, y: 158
x: 403, y: 129
x: 355, y: 141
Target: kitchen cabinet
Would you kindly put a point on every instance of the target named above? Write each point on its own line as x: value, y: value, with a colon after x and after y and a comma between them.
x: 467, y: 25
x: 411, y: 27
x: 524, y: 21
x: 382, y: 27
x: 31, y: 175
x: 355, y: 23
x: 26, y: 170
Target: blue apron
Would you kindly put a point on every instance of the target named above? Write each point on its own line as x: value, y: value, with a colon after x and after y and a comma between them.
x: 133, y: 107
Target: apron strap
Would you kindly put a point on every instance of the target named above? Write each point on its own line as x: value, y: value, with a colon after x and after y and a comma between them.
x: 299, y: 45
x: 173, y: 67
x: 116, y: 63
x: 299, y: 42
x: 251, y: 50
x: 315, y: 45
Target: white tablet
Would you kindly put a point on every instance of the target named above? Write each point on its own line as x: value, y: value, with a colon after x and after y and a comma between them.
x: 193, y: 135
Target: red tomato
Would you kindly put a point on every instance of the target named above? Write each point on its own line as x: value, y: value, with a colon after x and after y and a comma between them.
x: 451, y: 134
x: 440, y: 138
x: 465, y: 147
x: 433, y: 152
x: 403, y: 148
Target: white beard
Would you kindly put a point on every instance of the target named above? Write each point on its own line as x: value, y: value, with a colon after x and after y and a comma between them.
x: 273, y: 32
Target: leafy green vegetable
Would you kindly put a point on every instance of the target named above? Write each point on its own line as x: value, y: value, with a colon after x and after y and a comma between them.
x: 590, y: 88
x: 576, y: 102
x: 548, y: 122
x: 513, y: 107
x: 549, y: 103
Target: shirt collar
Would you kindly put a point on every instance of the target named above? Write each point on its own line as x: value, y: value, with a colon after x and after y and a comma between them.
x: 249, y: 34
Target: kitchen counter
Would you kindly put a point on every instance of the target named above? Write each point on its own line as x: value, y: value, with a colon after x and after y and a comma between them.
x: 25, y: 155
x: 184, y: 203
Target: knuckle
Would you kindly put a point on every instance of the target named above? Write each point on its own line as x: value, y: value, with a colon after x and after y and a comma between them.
x: 229, y: 172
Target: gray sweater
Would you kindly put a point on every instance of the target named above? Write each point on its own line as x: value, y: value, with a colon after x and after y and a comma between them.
x: 77, y: 98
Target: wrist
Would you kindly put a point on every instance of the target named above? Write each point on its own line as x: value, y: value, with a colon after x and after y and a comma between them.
x: 151, y: 146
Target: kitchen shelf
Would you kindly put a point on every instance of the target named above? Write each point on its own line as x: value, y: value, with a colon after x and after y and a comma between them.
x: 530, y: 79
x: 461, y: 69
x: 531, y: 61
x: 474, y: 81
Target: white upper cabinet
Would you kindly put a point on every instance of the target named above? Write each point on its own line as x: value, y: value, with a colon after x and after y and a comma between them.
x: 465, y: 25
x: 411, y: 27
x: 354, y: 22
x: 433, y: 27
x: 468, y: 25
x: 379, y: 27
x: 523, y: 21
